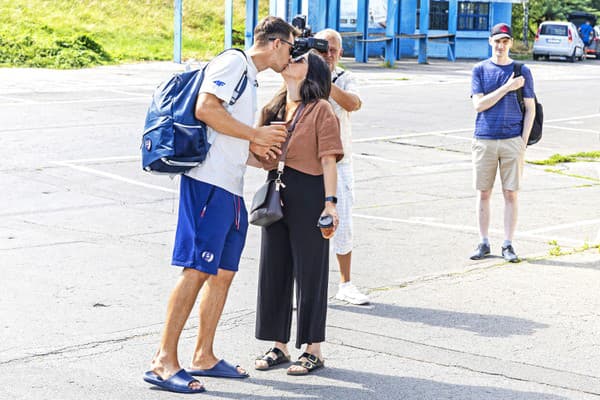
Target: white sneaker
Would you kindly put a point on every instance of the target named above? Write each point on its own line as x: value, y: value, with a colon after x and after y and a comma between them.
x: 348, y: 292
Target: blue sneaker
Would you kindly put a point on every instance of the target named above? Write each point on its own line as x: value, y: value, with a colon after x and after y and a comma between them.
x: 509, y: 254
x: 482, y: 251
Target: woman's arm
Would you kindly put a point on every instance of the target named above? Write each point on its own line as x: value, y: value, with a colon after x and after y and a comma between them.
x: 330, y: 180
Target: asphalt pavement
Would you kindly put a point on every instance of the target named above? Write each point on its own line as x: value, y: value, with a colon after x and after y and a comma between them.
x: 86, y: 236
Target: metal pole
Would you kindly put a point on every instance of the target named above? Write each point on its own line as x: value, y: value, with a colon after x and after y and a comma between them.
x: 177, y: 31
x: 228, y: 23
x: 361, y: 49
x: 423, y: 29
x: 525, y: 23
x: 251, y: 21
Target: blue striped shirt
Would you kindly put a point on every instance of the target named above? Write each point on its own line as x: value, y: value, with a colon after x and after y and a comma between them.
x: 504, y: 120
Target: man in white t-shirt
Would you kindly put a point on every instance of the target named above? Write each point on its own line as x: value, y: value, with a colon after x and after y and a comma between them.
x: 345, y: 99
x: 212, y: 221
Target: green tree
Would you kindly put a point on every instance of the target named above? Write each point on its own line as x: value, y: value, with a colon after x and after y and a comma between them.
x: 548, y: 10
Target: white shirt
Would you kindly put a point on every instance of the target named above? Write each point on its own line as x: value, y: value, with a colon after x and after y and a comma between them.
x: 225, y: 162
x: 347, y: 82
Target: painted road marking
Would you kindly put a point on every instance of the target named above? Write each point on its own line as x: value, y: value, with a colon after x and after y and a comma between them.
x: 463, y: 228
x: 114, y: 176
x: 564, y: 226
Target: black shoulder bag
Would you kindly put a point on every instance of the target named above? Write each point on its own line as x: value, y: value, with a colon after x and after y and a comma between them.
x: 266, y: 204
x: 536, y: 130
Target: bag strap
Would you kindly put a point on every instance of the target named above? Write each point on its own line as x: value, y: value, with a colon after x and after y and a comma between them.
x: 517, y: 71
x: 281, y: 163
x: 337, y: 76
x: 297, y: 114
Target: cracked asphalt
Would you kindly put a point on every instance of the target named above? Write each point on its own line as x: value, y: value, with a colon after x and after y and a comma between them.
x: 86, y: 236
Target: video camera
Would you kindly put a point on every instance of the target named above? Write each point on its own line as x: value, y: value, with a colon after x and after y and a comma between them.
x: 305, y: 41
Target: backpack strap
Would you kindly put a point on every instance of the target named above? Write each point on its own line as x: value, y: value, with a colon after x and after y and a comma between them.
x: 242, y: 83
x: 517, y: 71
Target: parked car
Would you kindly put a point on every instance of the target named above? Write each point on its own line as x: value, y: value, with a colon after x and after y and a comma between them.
x: 558, y: 39
x: 578, y: 18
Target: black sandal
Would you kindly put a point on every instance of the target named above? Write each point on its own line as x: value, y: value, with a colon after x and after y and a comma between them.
x: 271, y: 362
x: 311, y: 364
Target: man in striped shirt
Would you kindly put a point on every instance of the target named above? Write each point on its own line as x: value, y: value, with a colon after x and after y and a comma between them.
x: 501, y: 134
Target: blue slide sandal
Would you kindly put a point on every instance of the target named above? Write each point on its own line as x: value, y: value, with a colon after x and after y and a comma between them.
x: 222, y: 369
x: 179, y: 383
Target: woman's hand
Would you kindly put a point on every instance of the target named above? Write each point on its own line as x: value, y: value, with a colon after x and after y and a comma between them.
x: 266, y: 152
x: 331, y: 210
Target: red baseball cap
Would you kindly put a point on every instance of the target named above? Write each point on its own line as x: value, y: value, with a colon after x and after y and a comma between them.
x: 501, y: 30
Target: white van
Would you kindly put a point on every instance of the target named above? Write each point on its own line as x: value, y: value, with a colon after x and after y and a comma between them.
x: 558, y: 39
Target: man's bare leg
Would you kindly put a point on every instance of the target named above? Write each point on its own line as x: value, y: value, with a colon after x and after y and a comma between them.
x: 344, y: 261
x: 483, y: 212
x: 212, y: 302
x: 182, y: 299
x: 511, y: 211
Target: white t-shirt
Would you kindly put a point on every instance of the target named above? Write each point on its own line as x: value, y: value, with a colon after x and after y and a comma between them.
x: 347, y: 82
x: 225, y: 162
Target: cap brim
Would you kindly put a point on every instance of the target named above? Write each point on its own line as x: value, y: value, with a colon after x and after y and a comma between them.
x: 501, y: 35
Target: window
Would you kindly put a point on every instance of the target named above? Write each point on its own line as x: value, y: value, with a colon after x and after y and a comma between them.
x: 473, y: 16
x: 554, y: 30
x: 438, y: 14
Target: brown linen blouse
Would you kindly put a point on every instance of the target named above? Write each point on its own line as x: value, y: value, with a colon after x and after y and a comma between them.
x: 317, y: 134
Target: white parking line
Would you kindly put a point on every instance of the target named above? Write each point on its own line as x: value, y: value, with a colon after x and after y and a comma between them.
x: 531, y: 234
x: 463, y: 228
x: 99, y: 160
x: 413, y: 135
x: 574, y: 118
x: 114, y: 176
x: 571, y: 129
x: 368, y: 157
x: 564, y: 226
x: 131, y: 99
x: 448, y: 132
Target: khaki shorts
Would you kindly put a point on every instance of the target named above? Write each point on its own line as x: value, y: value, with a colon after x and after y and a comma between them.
x: 488, y: 155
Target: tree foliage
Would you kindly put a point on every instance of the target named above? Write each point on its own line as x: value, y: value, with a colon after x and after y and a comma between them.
x: 549, y: 10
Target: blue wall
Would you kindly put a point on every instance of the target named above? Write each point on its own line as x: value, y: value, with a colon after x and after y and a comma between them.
x: 469, y: 44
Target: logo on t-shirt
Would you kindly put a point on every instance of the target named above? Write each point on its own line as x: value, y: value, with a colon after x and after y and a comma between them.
x: 208, y: 256
x: 219, y: 83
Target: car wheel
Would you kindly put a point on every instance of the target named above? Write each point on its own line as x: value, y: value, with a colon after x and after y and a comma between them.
x: 535, y: 57
x: 573, y: 56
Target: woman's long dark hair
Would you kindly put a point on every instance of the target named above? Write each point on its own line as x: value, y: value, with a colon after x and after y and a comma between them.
x: 316, y: 85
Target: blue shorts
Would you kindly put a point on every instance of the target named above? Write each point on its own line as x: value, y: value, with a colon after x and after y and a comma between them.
x: 211, y: 227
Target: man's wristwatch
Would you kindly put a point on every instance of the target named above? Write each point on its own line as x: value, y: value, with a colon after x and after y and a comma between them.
x: 332, y: 199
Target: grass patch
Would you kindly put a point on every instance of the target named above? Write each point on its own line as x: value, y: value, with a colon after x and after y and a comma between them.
x: 556, y: 250
x: 559, y: 172
x: 75, y: 34
x: 559, y: 158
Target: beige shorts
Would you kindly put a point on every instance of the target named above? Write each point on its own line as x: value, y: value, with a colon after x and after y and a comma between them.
x: 489, y: 155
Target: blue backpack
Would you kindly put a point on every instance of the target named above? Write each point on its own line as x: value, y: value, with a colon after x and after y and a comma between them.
x: 174, y: 141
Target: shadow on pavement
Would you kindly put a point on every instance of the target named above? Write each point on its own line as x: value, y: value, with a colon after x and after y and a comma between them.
x: 567, y: 264
x: 367, y: 385
x: 481, y: 324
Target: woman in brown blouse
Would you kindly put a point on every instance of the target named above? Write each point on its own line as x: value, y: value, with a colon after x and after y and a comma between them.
x: 293, y: 248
